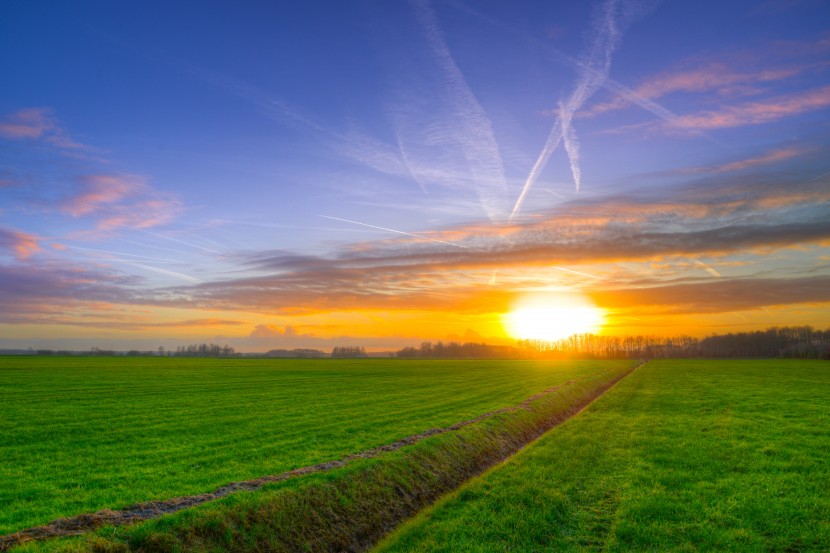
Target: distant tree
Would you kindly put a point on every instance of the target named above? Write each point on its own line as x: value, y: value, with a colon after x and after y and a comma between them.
x: 408, y: 352
x: 205, y: 350
x: 348, y: 351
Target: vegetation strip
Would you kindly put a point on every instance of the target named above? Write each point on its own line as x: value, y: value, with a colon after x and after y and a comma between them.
x: 87, y: 522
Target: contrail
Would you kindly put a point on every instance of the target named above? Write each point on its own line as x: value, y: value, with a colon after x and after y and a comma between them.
x: 571, y: 144
x: 818, y: 177
x: 398, y: 232
x: 179, y: 241
x: 159, y: 270
x: 736, y: 221
x: 161, y: 260
x: 576, y: 272
x: 554, y: 138
x: 478, y: 141
x: 593, y: 72
x: 708, y: 268
x: 609, y: 84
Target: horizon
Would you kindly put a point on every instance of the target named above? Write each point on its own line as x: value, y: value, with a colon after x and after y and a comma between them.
x: 320, y: 175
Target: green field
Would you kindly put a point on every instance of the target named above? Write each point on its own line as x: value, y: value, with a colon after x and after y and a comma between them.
x: 679, y: 456
x: 82, y: 434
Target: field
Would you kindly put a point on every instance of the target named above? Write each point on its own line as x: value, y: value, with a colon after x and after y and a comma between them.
x: 679, y: 456
x: 82, y: 434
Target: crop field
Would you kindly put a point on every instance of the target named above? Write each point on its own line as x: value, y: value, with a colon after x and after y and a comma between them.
x: 81, y: 434
x: 681, y: 455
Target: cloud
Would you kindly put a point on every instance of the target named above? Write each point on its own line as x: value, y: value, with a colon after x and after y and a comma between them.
x: 100, y: 191
x: 709, y: 218
x: 21, y: 244
x: 273, y: 331
x: 132, y: 322
x: 715, y: 76
x: 770, y: 157
x: 49, y: 291
x: 39, y: 124
x: 754, y: 113
x: 110, y: 200
x: 719, y: 295
x: 118, y: 201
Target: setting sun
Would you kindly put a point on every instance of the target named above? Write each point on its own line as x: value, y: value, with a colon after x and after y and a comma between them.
x: 552, y: 317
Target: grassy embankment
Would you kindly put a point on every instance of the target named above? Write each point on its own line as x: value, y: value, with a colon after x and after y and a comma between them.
x: 81, y: 434
x: 680, y: 456
x: 350, y: 508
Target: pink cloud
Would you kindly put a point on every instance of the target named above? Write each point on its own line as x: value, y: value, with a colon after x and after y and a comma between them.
x: 100, y: 191
x: 119, y: 201
x: 768, y: 158
x: 713, y: 76
x: 755, y: 113
x: 27, y: 123
x: 38, y: 124
x: 23, y: 245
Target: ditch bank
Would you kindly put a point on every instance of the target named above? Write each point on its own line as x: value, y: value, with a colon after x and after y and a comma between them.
x: 347, y: 504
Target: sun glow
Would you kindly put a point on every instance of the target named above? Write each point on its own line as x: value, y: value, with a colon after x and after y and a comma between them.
x: 552, y: 317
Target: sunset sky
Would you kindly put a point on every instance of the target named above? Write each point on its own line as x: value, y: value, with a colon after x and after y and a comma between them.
x: 380, y: 173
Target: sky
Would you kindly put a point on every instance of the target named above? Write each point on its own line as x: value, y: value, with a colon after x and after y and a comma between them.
x: 312, y: 174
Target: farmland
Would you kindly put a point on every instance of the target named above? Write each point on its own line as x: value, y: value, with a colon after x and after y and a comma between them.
x: 679, y: 456
x: 82, y: 434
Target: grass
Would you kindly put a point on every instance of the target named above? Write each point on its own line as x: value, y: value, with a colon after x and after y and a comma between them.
x: 350, y: 508
x: 82, y: 434
x: 679, y: 456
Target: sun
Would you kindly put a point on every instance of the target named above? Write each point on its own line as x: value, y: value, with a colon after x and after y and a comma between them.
x: 551, y: 317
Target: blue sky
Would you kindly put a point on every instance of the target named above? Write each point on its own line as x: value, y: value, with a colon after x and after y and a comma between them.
x: 309, y: 173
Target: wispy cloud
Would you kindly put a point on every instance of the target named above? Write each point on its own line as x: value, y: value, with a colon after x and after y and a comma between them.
x: 710, y: 76
x: 770, y: 157
x: 353, y: 144
x: 100, y: 191
x: 119, y: 201
x: 699, y: 222
x: 39, y: 124
x: 108, y: 200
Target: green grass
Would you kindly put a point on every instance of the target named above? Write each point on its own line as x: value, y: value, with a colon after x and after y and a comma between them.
x: 81, y: 434
x: 679, y: 456
x: 351, y: 508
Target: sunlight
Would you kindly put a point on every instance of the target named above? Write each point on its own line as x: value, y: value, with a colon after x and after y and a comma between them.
x: 552, y: 317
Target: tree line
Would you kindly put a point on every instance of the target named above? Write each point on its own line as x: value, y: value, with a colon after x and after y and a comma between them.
x: 204, y: 350
x: 803, y: 342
